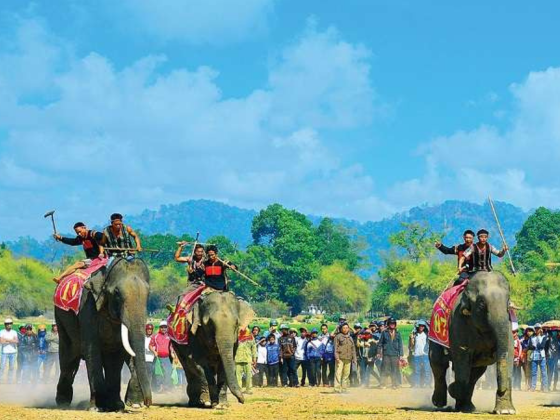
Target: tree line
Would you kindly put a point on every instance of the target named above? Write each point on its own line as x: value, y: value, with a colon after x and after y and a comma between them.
x: 296, y: 263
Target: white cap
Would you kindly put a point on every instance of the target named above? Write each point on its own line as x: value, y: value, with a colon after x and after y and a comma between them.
x: 163, y: 324
x: 8, y: 321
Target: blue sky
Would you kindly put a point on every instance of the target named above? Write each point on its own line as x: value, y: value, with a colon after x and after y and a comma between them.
x: 357, y: 109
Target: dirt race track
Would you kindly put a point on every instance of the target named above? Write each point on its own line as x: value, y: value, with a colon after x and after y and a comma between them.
x: 281, y: 403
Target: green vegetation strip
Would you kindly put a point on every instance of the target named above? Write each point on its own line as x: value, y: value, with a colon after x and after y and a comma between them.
x: 263, y: 399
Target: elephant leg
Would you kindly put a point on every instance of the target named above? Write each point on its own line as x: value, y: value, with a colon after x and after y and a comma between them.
x: 90, y: 349
x: 439, y: 363
x: 134, y: 396
x: 211, y: 379
x: 459, y: 389
x: 197, y: 386
x: 113, y: 364
x: 69, y: 357
x: 222, y: 387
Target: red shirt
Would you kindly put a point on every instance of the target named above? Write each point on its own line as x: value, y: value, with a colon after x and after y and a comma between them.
x: 161, y: 342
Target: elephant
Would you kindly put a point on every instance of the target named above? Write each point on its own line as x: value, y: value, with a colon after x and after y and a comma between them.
x: 480, y: 335
x: 107, y: 331
x: 209, y: 357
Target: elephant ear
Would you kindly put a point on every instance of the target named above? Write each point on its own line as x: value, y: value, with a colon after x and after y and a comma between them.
x: 246, y: 313
x: 194, y: 320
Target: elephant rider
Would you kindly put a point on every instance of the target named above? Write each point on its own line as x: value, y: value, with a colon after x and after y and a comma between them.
x: 120, y: 236
x: 459, y: 250
x: 215, y: 269
x: 90, y: 240
x: 195, y: 267
x: 481, y: 254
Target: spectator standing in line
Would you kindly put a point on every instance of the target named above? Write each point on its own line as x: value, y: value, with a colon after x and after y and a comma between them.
x: 42, y: 351
x: 365, y: 342
x: 300, y: 354
x: 245, y: 359
x: 51, y: 360
x: 372, y: 362
x: 28, y: 347
x: 354, y: 369
x: 390, y: 348
x: 149, y: 355
x: 256, y: 332
x: 287, y: 351
x: 538, y: 358
x: 273, y: 359
x: 314, y: 351
x: 418, y: 347
x: 20, y: 334
x: 261, y: 363
x: 159, y: 345
x: 527, y: 354
x: 517, y: 352
x: 8, y: 342
x: 273, y: 329
x: 345, y: 355
x: 328, y: 358
x: 552, y: 355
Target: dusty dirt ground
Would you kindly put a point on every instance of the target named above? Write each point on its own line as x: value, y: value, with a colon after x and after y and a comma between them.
x: 21, y: 403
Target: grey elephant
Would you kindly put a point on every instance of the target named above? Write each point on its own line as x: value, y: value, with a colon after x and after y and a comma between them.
x: 107, y: 332
x: 209, y: 358
x: 480, y: 335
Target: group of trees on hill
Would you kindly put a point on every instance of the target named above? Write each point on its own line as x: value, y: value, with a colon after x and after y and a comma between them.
x: 295, y: 263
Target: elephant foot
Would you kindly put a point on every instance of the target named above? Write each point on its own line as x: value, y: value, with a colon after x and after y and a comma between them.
x: 504, y: 407
x: 439, y: 399
x: 467, y: 407
x: 114, y: 406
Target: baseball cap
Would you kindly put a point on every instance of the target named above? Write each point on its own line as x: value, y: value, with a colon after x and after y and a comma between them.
x: 163, y: 324
x: 8, y: 321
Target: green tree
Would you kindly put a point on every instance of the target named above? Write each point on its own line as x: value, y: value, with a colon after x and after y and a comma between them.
x: 337, y: 289
x: 165, y: 244
x: 539, y: 231
x: 416, y: 240
x: 334, y: 244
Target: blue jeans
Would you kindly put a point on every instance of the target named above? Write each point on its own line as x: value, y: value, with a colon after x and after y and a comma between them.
x: 535, y: 364
x: 11, y: 359
x: 552, y: 370
x: 421, y: 366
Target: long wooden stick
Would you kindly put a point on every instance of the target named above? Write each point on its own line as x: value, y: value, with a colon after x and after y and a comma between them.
x: 502, y: 234
x: 237, y: 271
x: 131, y: 249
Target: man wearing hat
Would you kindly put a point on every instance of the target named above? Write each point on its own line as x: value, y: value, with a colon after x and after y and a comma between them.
x: 301, y: 355
x: 287, y: 351
x: 273, y: 329
x: 390, y: 349
x: 28, y: 346
x: 8, y: 343
x: 538, y: 359
x: 418, y: 348
x: 52, y: 353
x: 314, y: 350
x: 159, y: 345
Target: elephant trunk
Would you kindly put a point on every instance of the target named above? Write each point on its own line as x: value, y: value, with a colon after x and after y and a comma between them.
x: 225, y: 347
x: 135, y: 339
x: 498, y: 317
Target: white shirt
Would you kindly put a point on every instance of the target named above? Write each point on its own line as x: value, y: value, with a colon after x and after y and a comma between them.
x: 300, y: 348
x: 148, y: 353
x: 420, y: 345
x: 261, y: 354
x: 8, y: 335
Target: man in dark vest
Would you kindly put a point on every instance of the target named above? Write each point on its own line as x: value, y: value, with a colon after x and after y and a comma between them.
x: 459, y: 250
x: 215, y: 269
x: 480, y: 254
x: 91, y: 242
x: 195, y: 265
x: 118, y: 235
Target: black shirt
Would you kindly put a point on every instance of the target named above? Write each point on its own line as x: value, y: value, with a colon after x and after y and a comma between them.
x: 215, y: 274
x: 90, y: 243
x: 197, y: 273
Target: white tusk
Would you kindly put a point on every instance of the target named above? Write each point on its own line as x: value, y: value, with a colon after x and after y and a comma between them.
x: 125, y: 342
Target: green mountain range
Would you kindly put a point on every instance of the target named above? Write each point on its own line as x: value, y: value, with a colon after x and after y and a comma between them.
x: 214, y: 218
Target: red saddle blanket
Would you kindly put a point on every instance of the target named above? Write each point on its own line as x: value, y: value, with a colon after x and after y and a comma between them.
x: 439, y: 323
x: 68, y: 293
x: 177, y: 322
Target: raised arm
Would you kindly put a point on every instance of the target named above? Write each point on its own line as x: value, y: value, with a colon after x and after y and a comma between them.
x: 178, y: 256
x: 446, y: 250
x: 68, y: 241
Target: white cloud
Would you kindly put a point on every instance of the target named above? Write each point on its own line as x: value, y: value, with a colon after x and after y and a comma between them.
x: 196, y: 21
x: 126, y: 139
x: 517, y: 164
